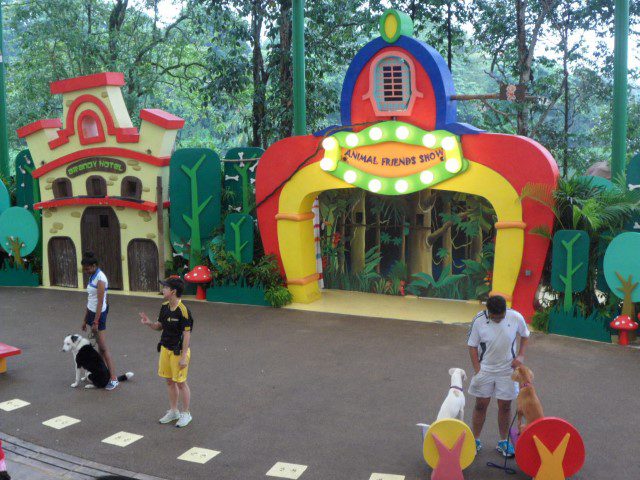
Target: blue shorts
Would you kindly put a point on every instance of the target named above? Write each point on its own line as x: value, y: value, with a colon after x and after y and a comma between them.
x: 102, y: 323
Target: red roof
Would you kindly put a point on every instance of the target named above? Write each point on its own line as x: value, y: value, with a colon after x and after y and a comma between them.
x: 37, y: 126
x: 103, y: 79
x: 161, y: 118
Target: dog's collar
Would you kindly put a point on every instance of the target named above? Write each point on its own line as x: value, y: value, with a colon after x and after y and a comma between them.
x: 457, y: 388
x: 525, y: 385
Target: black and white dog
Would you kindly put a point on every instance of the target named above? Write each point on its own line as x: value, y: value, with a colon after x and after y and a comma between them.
x: 86, y: 357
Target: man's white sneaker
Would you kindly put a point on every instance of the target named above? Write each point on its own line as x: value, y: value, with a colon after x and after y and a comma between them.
x: 184, y: 420
x: 170, y: 416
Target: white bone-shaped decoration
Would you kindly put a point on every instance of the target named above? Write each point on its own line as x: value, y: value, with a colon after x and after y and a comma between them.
x: 241, y: 155
x: 633, y: 187
x: 235, y: 177
x: 241, y: 164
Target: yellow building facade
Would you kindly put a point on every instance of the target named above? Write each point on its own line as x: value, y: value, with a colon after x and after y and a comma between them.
x: 103, y: 185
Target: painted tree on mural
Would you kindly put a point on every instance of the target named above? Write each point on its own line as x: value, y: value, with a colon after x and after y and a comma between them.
x: 238, y: 234
x: 19, y: 234
x: 194, y: 189
x: 570, y: 264
x: 239, y: 177
x: 621, y: 268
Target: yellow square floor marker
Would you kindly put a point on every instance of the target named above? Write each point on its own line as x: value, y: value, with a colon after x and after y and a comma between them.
x: 61, y: 422
x: 122, y: 439
x: 198, y: 455
x: 11, y: 405
x: 385, y: 476
x: 286, y: 470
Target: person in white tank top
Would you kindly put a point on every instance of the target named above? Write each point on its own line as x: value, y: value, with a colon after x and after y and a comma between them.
x: 97, y: 310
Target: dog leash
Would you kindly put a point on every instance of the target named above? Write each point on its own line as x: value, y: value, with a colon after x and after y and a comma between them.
x: 504, y: 467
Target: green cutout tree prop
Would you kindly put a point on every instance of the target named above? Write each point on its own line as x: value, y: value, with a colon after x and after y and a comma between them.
x: 633, y: 183
x: 19, y: 234
x: 194, y: 189
x: 570, y: 263
x: 238, y: 233
x: 239, y: 176
x: 622, y: 269
x: 5, y: 199
x: 27, y: 187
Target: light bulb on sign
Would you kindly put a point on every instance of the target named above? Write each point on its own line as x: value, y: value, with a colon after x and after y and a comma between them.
x: 453, y: 165
x: 402, y: 132
x: 402, y: 186
x: 426, y: 177
x: 328, y: 164
x: 329, y: 143
x: 375, y: 134
x: 429, y: 140
x: 352, y: 140
x: 448, y: 143
x: 375, y: 185
x: 350, y: 176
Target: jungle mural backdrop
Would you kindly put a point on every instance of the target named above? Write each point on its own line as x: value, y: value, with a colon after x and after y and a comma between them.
x: 430, y: 243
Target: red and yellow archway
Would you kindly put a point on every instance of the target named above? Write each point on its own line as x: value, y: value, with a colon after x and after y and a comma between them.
x: 492, y: 166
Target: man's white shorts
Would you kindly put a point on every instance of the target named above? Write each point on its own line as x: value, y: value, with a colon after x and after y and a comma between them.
x: 499, y: 385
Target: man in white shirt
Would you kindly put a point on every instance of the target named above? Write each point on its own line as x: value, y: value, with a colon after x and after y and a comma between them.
x: 492, y: 346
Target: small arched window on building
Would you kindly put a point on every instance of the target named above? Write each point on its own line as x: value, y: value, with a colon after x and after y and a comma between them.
x: 392, y: 87
x: 62, y: 188
x: 96, y: 186
x: 89, y: 127
x: 131, y: 188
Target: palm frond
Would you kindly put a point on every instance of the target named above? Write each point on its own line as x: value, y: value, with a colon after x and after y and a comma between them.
x: 542, y: 231
x: 539, y: 192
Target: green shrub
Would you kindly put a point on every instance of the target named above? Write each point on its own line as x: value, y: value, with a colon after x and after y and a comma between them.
x: 541, y: 320
x: 278, y: 296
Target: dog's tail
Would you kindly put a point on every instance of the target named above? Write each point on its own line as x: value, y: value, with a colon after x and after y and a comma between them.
x: 125, y: 377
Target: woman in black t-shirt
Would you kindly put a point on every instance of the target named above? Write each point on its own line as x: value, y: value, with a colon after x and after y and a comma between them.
x: 176, y: 322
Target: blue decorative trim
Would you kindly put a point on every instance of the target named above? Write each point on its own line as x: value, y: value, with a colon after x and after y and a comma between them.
x: 460, y: 128
x: 333, y: 129
x: 434, y: 65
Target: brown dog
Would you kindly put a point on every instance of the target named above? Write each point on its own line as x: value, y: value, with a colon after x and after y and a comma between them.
x: 529, y: 405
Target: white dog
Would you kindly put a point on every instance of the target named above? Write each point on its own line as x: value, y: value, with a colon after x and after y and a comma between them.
x: 453, y: 405
x: 86, y: 358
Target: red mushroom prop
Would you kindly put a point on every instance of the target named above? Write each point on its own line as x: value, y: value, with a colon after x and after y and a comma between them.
x: 624, y: 325
x: 200, y: 275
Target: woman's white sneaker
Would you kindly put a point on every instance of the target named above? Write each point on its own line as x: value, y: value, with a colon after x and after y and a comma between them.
x: 170, y: 416
x: 184, y: 420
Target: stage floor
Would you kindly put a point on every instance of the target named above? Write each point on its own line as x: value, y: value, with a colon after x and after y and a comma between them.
x: 411, y: 308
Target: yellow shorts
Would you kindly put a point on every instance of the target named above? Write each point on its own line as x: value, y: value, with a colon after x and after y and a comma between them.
x: 168, y: 365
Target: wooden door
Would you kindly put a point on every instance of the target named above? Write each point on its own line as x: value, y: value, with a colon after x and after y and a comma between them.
x: 63, y: 264
x: 100, y: 232
x: 143, y: 265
